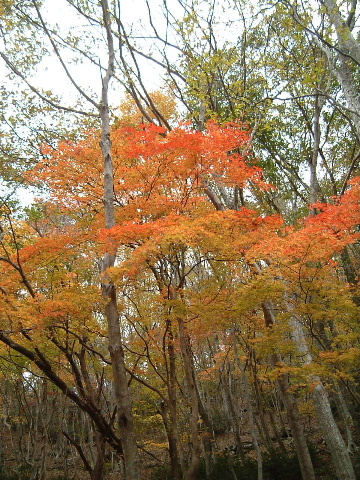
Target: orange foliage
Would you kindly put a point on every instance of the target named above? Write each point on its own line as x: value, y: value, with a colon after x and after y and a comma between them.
x: 155, y: 171
x: 165, y: 221
x: 159, y: 177
x: 317, y: 238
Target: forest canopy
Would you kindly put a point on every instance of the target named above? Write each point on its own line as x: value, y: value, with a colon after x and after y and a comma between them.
x: 179, y: 297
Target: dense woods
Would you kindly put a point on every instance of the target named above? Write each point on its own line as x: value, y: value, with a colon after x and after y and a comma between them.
x: 179, y: 298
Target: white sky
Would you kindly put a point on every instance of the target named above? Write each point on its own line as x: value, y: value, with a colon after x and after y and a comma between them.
x: 86, y: 74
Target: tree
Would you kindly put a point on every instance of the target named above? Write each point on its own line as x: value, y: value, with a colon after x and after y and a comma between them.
x: 177, y: 226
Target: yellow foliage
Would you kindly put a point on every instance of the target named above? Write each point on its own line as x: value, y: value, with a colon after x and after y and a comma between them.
x: 164, y: 102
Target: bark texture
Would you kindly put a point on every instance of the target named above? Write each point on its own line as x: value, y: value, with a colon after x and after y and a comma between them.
x: 338, y: 450
x: 122, y: 393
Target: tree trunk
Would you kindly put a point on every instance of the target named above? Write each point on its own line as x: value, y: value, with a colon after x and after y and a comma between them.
x: 343, y: 58
x: 169, y: 411
x: 192, y: 470
x: 250, y: 412
x: 172, y: 440
x: 315, y: 190
x: 207, y: 436
x: 231, y: 412
x: 122, y: 393
x: 333, y: 438
x: 293, y: 414
x: 97, y: 472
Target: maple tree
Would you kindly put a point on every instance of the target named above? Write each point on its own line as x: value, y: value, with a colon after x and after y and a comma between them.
x: 187, y: 275
x: 152, y: 292
x: 69, y: 236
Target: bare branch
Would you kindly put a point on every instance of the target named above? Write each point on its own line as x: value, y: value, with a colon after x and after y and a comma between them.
x: 63, y: 64
x: 39, y: 94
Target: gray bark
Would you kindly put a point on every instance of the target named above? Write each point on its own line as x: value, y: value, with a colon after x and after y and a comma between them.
x: 253, y: 432
x: 122, y: 393
x: 347, y: 43
x: 341, y: 58
x: 293, y: 414
x: 333, y: 438
x: 315, y: 190
x: 192, y: 470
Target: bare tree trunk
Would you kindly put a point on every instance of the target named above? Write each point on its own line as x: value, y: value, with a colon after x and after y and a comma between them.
x: 250, y: 412
x: 339, y: 453
x: 232, y: 417
x: 122, y: 393
x: 192, y: 470
x: 44, y: 440
x: 344, y: 57
x: 263, y: 424
x: 345, y: 415
x: 293, y: 414
x: 169, y: 411
x: 172, y: 440
x: 315, y: 190
x: 347, y: 42
x: 207, y: 437
x: 98, y: 470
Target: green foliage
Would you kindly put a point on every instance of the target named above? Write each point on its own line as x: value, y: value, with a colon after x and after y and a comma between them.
x: 226, y: 465
x: 162, y: 472
x: 278, y: 466
x: 23, y: 472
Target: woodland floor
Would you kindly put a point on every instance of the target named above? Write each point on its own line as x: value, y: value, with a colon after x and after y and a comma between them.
x: 155, y: 462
